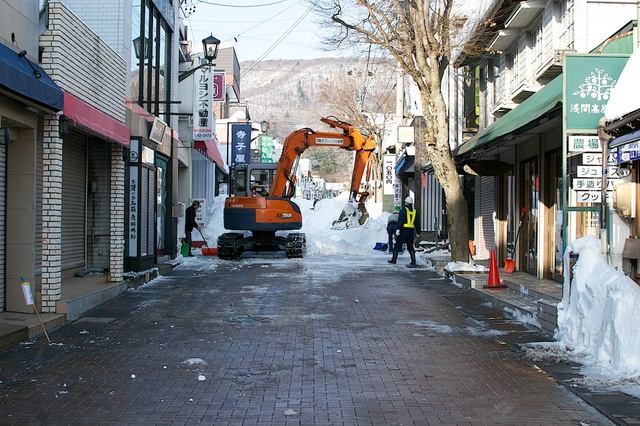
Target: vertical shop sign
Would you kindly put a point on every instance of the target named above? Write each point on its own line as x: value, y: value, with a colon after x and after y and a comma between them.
x: 240, y: 143
x: 134, y: 188
x: 389, y: 173
x: 266, y: 149
x: 203, y: 118
x: 132, y: 214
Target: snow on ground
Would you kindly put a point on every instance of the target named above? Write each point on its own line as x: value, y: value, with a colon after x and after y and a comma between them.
x: 598, y: 321
x: 598, y: 317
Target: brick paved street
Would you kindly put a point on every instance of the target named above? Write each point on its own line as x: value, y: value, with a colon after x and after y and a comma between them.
x: 268, y: 341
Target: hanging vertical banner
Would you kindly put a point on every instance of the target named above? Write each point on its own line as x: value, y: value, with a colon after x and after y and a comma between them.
x: 240, y: 143
x: 131, y: 219
x: 389, y: 173
x: 266, y: 149
x: 203, y: 118
x: 132, y: 214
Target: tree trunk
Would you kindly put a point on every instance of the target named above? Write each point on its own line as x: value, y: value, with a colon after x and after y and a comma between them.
x: 438, y: 153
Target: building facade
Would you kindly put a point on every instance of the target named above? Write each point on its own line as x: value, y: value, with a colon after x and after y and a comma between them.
x: 512, y: 100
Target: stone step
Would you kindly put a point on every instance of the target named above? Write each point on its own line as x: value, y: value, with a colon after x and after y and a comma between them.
x: 524, y: 294
x: 19, y: 327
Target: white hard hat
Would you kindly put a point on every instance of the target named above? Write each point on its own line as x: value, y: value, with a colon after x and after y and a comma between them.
x: 408, y: 200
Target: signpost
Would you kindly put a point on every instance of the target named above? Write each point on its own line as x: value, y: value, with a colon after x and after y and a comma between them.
x: 28, y: 299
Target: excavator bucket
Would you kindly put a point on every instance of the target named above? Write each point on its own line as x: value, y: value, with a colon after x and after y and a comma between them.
x: 353, y: 215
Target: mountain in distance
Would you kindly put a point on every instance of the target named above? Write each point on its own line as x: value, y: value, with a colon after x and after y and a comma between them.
x: 287, y: 93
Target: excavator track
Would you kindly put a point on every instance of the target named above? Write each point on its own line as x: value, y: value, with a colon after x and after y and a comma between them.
x: 296, y: 244
x: 228, y: 247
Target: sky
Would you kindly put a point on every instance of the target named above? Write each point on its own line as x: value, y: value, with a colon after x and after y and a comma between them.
x: 258, y: 29
x: 598, y: 316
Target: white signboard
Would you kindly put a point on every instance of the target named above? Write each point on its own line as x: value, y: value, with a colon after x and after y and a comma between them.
x: 589, y: 171
x: 584, y: 143
x: 595, y: 159
x: 406, y: 134
x: 389, y: 173
x: 581, y: 184
x: 329, y: 141
x: 203, y: 118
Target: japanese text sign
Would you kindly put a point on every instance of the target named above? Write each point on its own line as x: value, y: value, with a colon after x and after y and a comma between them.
x: 588, y: 80
x: 203, y: 118
x: 240, y: 143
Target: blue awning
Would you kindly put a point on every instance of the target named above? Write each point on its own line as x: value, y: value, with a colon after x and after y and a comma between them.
x: 17, y: 77
x: 625, y: 139
x: 405, y: 164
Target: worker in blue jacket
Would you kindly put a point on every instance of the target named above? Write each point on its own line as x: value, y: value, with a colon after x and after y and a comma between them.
x: 408, y: 231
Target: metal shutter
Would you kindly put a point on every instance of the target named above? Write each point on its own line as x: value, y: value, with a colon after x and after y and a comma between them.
x: 39, y: 171
x: 74, y: 190
x: 432, y: 207
x: 3, y: 222
x: 485, y: 207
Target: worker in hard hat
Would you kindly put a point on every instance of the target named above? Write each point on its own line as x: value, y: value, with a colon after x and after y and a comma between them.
x: 408, y: 231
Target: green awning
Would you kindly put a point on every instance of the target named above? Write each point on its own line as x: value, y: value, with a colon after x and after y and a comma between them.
x: 531, y: 109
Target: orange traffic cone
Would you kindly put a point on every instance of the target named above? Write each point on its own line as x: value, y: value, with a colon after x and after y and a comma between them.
x: 494, y: 277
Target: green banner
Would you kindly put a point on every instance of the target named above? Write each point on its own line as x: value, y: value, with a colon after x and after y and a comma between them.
x: 588, y: 80
x: 266, y: 149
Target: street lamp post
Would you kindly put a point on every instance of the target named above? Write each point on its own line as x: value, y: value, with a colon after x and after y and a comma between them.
x: 210, y: 47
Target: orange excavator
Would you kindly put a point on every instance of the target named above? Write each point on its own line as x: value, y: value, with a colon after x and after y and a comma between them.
x: 263, y: 216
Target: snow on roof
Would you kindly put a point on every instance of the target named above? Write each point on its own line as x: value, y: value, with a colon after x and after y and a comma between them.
x: 625, y: 96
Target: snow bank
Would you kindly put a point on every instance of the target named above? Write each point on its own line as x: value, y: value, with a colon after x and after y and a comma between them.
x: 599, y: 314
x: 316, y: 224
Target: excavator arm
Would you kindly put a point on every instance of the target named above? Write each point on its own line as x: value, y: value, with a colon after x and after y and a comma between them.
x: 297, y: 142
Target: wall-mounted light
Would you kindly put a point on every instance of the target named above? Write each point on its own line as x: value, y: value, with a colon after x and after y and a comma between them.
x: 36, y: 73
x: 5, y: 135
x: 264, y: 126
x: 63, y: 126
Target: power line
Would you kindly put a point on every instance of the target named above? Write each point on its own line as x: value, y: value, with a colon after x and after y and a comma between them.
x: 241, y: 6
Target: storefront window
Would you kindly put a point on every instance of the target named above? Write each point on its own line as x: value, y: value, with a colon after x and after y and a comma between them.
x: 151, y: 52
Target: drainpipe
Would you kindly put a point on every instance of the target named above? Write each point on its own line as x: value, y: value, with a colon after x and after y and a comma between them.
x: 604, y: 138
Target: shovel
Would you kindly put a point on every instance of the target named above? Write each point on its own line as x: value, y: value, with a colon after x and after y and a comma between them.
x: 207, y: 251
x: 509, y: 263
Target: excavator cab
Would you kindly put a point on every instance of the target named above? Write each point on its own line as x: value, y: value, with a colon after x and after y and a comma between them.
x: 252, y: 179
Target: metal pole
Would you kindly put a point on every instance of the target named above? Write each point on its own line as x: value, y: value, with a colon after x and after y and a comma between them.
x: 604, y: 138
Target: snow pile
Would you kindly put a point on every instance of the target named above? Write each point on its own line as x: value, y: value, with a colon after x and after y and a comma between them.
x: 317, y: 222
x: 600, y: 311
x: 598, y: 321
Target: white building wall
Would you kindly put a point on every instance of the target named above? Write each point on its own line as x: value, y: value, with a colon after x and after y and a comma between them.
x: 82, y: 64
x: 112, y: 24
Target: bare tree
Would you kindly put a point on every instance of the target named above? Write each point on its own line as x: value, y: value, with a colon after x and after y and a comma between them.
x: 364, y: 96
x: 419, y: 35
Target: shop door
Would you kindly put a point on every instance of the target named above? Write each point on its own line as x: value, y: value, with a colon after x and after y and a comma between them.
x: 529, y: 231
